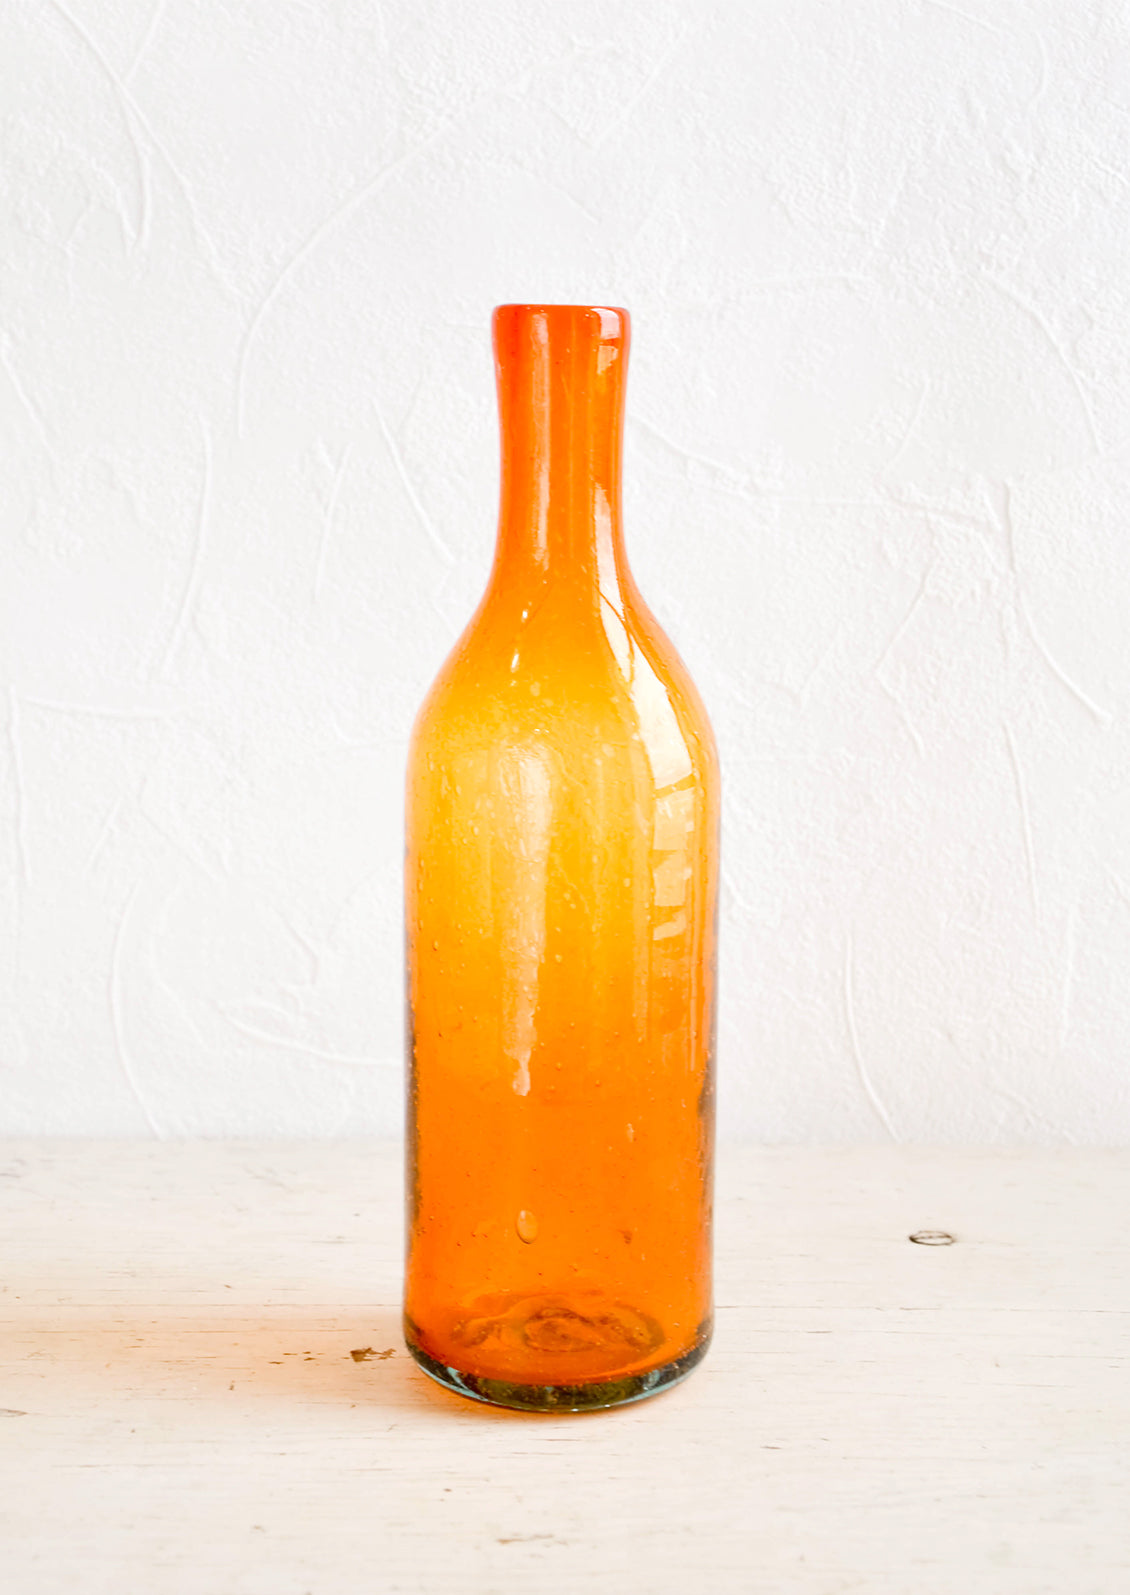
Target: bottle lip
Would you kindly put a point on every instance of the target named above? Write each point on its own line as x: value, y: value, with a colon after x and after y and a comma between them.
x: 612, y: 321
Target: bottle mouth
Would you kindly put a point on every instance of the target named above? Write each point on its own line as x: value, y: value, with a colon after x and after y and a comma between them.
x: 599, y: 323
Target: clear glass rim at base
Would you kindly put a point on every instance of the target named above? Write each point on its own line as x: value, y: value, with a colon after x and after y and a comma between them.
x: 592, y: 1396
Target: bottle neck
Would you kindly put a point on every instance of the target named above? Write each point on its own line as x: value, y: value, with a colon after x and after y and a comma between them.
x: 561, y: 372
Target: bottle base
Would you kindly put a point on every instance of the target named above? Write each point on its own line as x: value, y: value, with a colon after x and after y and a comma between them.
x: 590, y: 1396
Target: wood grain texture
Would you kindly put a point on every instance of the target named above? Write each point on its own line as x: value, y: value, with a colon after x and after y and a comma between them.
x: 184, y: 1412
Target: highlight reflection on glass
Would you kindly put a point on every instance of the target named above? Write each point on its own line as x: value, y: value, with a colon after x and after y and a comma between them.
x: 560, y: 897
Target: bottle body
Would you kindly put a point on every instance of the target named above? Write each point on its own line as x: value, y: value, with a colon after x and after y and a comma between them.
x: 560, y: 901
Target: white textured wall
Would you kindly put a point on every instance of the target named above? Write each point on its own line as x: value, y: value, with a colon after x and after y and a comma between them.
x: 879, y: 462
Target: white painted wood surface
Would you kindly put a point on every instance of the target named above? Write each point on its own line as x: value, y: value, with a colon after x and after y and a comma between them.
x: 183, y: 1414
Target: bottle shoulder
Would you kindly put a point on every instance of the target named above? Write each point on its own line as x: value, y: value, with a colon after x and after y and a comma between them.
x: 556, y: 675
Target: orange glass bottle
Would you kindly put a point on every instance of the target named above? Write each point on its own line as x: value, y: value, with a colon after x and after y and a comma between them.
x: 560, y: 895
